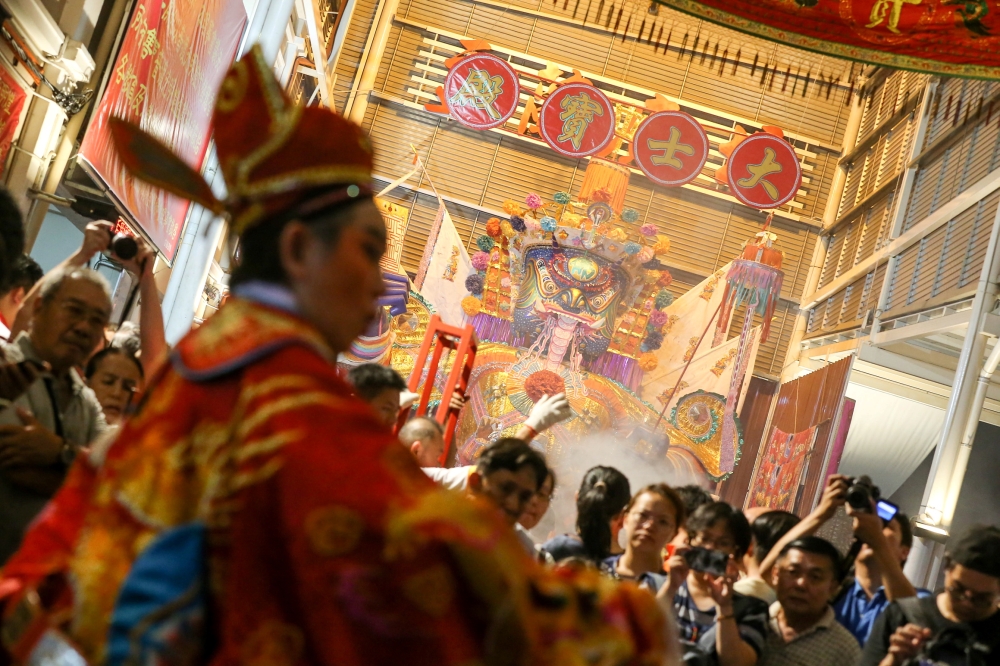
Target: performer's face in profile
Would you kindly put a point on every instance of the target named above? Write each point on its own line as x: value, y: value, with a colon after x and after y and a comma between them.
x: 337, y: 282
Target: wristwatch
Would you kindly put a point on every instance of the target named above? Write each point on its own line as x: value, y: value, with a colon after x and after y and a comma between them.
x: 68, y: 453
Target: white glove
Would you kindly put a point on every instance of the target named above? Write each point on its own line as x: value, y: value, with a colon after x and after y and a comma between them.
x: 548, y: 411
x: 407, y: 398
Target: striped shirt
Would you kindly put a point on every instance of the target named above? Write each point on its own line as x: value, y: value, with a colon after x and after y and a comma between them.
x: 697, y: 627
x: 824, y: 644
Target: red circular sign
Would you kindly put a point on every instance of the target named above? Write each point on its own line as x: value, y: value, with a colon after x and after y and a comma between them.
x: 670, y: 147
x: 577, y: 120
x: 764, y: 171
x: 482, y: 91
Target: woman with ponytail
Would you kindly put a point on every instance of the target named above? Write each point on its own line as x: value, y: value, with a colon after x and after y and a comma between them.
x: 600, y: 503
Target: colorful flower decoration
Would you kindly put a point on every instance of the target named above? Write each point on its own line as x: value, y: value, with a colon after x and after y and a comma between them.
x: 493, y: 228
x: 663, y: 299
x: 475, y: 283
x: 648, y: 229
x: 480, y: 260
x: 533, y: 201
x: 505, y: 282
x: 648, y: 362
x: 542, y: 383
x: 507, y: 229
x: 485, y: 243
x: 548, y: 223
x: 532, y: 224
x: 517, y: 222
x: 657, y: 318
x: 632, y: 248
x: 471, y: 306
x: 662, y: 246
x: 618, y: 234
x: 665, y: 279
x: 653, y: 341
x: 630, y: 215
x: 511, y: 208
x: 645, y: 254
x: 561, y: 198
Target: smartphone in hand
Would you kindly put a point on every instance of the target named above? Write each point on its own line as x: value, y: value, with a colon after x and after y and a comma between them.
x: 713, y: 562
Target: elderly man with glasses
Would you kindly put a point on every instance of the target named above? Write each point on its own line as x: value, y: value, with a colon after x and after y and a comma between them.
x: 960, y: 625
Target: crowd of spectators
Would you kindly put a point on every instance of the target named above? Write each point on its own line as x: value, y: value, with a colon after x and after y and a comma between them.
x: 777, y: 595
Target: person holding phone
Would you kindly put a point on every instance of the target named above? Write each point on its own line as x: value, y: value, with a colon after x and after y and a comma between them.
x: 878, y: 567
x: 652, y: 518
x: 718, y: 626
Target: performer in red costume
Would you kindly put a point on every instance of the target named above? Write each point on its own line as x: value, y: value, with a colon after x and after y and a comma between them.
x: 252, y: 511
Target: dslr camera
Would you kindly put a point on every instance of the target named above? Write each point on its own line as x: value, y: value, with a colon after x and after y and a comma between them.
x: 861, y: 493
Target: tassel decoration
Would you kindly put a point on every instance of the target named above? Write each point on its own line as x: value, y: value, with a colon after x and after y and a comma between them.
x: 628, y: 24
x: 753, y: 67
x: 850, y: 94
x: 736, y: 63
x: 784, y: 83
x: 659, y: 38
x: 611, y: 14
x: 642, y: 29
x: 666, y: 44
x: 805, y: 86
x: 576, y: 7
x: 725, y: 61
x: 680, y: 54
x: 694, y: 49
x: 958, y: 111
x: 754, y: 284
x: 618, y: 21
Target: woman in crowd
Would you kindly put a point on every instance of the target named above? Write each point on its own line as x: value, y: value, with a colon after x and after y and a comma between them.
x: 652, y: 518
x: 600, y: 505
x: 718, y: 625
x: 114, y: 374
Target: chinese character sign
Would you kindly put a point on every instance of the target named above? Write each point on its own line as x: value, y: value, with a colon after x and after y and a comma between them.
x: 577, y: 120
x: 764, y: 171
x: 11, y: 102
x: 173, y: 57
x: 670, y: 147
x: 482, y: 91
x: 948, y: 37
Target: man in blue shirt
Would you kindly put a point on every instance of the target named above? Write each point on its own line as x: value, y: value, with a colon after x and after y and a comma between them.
x: 878, y: 573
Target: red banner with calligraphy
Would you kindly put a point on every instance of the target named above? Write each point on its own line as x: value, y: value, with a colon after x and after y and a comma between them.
x: 174, y: 55
x: 934, y: 36
x: 12, y: 98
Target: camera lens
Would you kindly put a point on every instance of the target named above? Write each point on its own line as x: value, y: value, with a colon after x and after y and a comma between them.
x: 124, y: 246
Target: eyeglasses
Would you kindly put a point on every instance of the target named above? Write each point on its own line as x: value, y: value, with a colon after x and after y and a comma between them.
x: 959, y: 592
x: 643, y: 517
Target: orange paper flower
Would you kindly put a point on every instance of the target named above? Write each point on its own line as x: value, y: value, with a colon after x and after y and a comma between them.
x: 471, y: 306
x: 493, y: 229
x: 648, y: 362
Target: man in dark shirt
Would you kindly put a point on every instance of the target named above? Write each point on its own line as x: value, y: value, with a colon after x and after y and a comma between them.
x: 960, y: 625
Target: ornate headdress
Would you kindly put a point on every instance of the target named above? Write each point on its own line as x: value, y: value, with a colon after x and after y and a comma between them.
x: 275, y: 156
